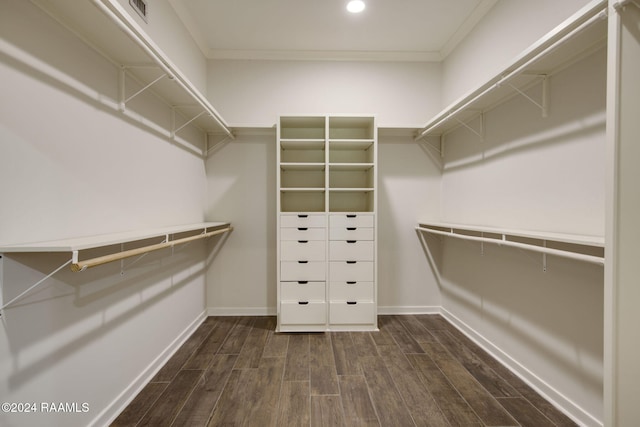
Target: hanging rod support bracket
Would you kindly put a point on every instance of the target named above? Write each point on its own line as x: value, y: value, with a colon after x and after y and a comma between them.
x: 543, y: 106
x: 122, y: 101
x: 175, y: 130
x: 480, y: 133
x: 45, y: 278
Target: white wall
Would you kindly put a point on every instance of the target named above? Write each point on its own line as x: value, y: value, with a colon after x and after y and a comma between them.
x: 507, y: 29
x: 545, y: 174
x: 242, y: 187
x: 242, y: 180
x: 71, y: 165
x: 169, y: 33
x: 253, y: 93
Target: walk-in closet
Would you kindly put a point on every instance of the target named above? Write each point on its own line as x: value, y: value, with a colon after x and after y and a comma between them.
x: 319, y: 213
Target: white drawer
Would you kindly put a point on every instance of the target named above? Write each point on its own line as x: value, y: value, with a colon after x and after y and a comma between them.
x: 358, y: 271
x: 306, y: 270
x: 351, y: 291
x: 345, y: 313
x: 302, y: 291
x: 311, y: 313
x: 303, y: 220
x: 303, y: 233
x: 351, y: 233
x: 302, y: 250
x: 358, y: 250
x: 351, y: 220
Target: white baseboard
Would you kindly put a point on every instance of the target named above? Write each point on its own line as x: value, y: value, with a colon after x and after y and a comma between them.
x: 111, y: 412
x: 559, y: 400
x: 241, y: 311
x: 271, y: 311
x: 419, y: 309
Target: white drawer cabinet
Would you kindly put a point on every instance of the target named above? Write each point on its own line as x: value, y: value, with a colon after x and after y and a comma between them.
x: 326, y: 214
x: 303, y: 270
x: 349, y: 271
x: 303, y: 313
x: 351, y: 220
x: 303, y: 233
x: 351, y: 233
x: 351, y: 313
x: 303, y: 220
x: 351, y: 250
x: 303, y: 250
x: 301, y: 291
x: 351, y: 291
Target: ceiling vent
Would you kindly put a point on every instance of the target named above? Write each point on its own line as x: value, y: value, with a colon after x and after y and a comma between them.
x: 140, y: 6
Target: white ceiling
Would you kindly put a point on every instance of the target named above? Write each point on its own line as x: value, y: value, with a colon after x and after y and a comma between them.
x: 414, y: 30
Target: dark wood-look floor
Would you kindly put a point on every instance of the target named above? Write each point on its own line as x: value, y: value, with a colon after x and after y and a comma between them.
x: 417, y: 371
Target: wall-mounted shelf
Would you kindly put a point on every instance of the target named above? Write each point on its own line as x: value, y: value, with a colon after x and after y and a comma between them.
x: 171, y: 236
x: 582, y: 34
x: 75, y: 245
x: 106, y: 26
x: 583, y: 248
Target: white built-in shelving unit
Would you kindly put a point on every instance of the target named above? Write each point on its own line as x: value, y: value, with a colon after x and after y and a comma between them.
x: 327, y: 223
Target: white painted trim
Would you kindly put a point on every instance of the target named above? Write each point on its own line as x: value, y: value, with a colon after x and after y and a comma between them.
x: 241, y: 311
x: 111, y: 412
x: 418, y: 309
x: 469, y: 24
x: 555, y: 397
x: 323, y: 55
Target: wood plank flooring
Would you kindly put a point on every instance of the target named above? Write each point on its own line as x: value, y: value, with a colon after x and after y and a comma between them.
x: 416, y: 371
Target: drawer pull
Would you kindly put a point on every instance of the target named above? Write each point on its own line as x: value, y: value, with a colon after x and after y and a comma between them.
x: 303, y: 282
x: 303, y: 262
x: 351, y: 216
x: 351, y: 283
x: 303, y: 241
x: 352, y: 302
x: 302, y: 228
x: 303, y: 216
x: 351, y: 228
x: 352, y: 241
x: 351, y: 262
x: 303, y: 302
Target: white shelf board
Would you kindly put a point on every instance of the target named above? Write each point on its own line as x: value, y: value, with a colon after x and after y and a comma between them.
x: 577, y: 239
x: 352, y: 189
x: 302, y: 144
x: 88, y: 242
x: 302, y: 166
x: 350, y: 144
x: 350, y: 166
x: 561, y: 47
x: 98, y: 30
x: 302, y: 189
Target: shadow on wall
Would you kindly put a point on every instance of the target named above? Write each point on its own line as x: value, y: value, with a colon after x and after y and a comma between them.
x: 241, y: 177
x: 56, y: 57
x: 503, y: 292
x: 94, y: 302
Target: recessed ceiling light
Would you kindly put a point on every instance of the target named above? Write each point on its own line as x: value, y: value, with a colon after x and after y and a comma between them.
x: 355, y: 6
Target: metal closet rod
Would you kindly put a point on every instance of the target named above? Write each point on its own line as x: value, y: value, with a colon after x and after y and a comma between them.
x: 151, y: 51
x: 93, y: 262
x: 530, y: 58
x: 541, y: 249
